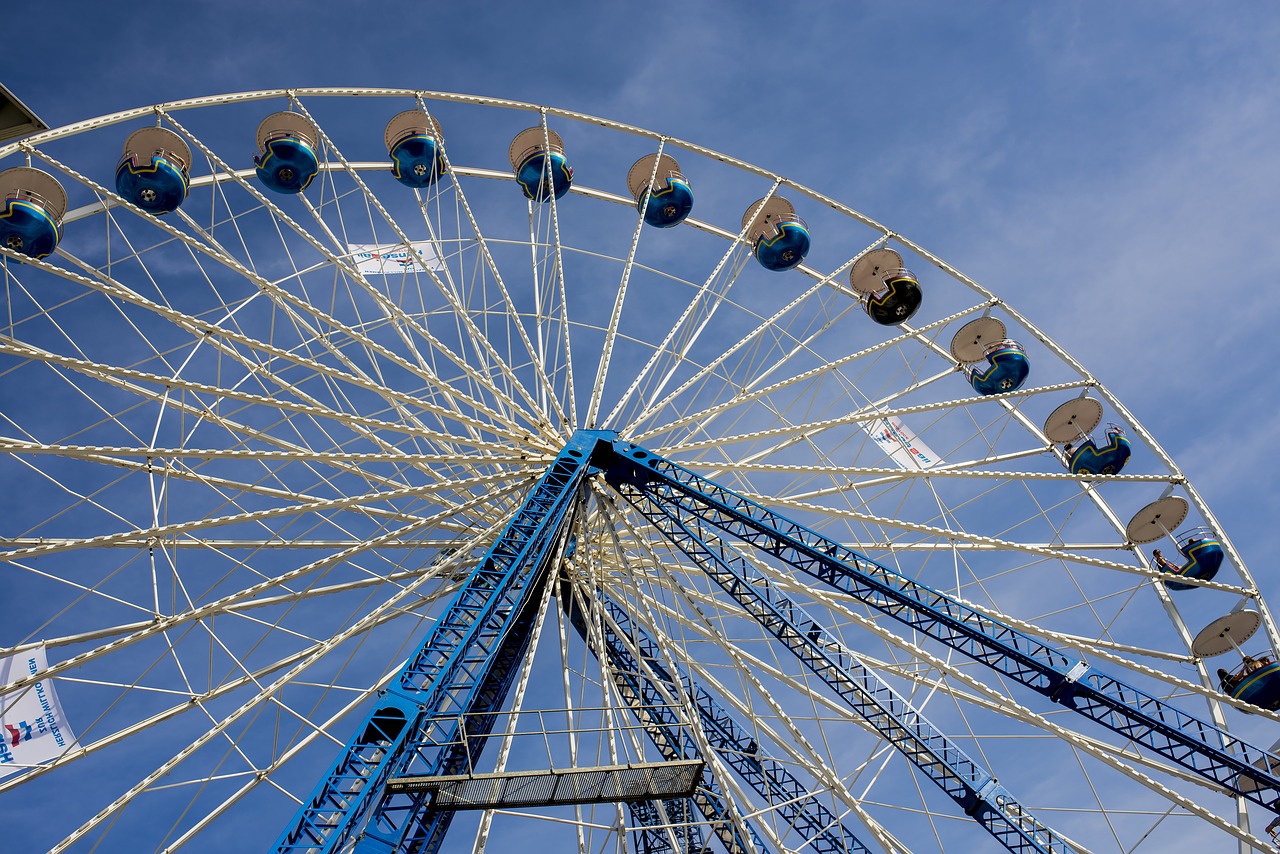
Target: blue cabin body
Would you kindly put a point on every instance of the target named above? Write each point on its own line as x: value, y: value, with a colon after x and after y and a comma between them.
x: 157, y: 185
x: 668, y: 206
x: 26, y: 227
x: 897, y: 302
x: 1007, y: 371
x: 1088, y: 458
x: 542, y: 175
x: 417, y: 161
x: 786, y: 249
x: 1261, y: 687
x: 287, y: 165
x: 1204, y: 558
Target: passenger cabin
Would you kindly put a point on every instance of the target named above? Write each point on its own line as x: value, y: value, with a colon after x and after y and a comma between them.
x: 1088, y: 457
x: 287, y: 160
x: 1200, y: 548
x: 1071, y: 426
x: 1006, y: 368
x: 779, y: 239
x: 1202, y: 555
x: 416, y: 147
x: 669, y: 197
x: 154, y: 171
x: 890, y: 292
x: 32, y: 205
x: 992, y: 363
x: 537, y: 157
x: 1256, y: 680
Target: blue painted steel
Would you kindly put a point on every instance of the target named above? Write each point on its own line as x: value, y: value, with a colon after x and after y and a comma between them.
x: 731, y: 739
x: 1089, y: 458
x: 650, y: 827
x: 1204, y: 559
x: 669, y: 205
x: 1007, y: 370
x: 463, y: 666
x: 287, y: 165
x: 26, y: 227
x: 1187, y: 740
x: 427, y: 828
x: 966, y: 782
x: 784, y: 250
x: 157, y: 184
x: 417, y: 161
x: 541, y: 176
x: 1261, y: 687
x: 899, y: 300
x: 671, y: 737
x: 467, y: 664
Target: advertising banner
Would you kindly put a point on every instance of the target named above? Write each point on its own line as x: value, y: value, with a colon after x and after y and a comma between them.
x: 32, y: 725
x: 393, y: 260
x: 902, y: 446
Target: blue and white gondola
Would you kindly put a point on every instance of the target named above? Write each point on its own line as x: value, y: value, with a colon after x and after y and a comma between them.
x: 154, y: 171
x: 1256, y: 680
x: 1202, y: 556
x: 1201, y: 549
x: 992, y: 363
x: 287, y: 159
x: 32, y: 205
x: 670, y: 198
x: 1088, y: 457
x: 1071, y: 426
x: 415, y: 145
x: 778, y: 237
x: 539, y: 163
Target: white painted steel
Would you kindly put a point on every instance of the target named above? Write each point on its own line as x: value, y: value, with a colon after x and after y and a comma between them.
x: 244, y: 479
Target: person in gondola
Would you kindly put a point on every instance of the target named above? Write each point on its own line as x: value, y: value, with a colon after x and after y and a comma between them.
x: 1163, y: 563
x: 1273, y: 829
x: 1225, y: 680
x: 1251, y: 664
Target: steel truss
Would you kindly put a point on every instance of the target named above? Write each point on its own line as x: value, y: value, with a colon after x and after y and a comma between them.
x: 1206, y: 750
x: 468, y: 663
x: 638, y: 671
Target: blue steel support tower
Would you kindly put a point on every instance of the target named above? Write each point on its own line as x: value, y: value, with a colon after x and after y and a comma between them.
x: 467, y: 664
x: 464, y: 665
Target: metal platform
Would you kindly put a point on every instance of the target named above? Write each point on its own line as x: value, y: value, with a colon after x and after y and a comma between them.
x: 557, y: 787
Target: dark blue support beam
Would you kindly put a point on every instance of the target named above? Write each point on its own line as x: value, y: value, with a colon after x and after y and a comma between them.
x: 731, y: 739
x: 652, y: 829
x: 428, y: 827
x: 1189, y: 741
x: 970, y: 785
x: 464, y: 666
x: 671, y: 737
x: 467, y: 665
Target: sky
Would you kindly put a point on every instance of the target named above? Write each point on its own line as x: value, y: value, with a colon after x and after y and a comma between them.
x: 1110, y: 169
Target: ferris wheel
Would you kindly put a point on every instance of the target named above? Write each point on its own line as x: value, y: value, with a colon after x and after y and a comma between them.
x: 394, y: 470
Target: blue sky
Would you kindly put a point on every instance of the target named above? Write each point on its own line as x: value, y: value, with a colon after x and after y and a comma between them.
x: 1109, y: 168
